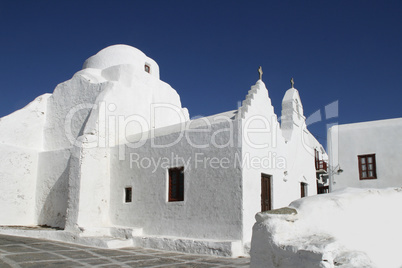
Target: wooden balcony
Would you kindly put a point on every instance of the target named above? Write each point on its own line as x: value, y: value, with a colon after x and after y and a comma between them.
x: 321, y: 166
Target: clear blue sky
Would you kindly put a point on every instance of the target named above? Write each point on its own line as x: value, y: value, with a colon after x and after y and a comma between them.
x: 209, y: 51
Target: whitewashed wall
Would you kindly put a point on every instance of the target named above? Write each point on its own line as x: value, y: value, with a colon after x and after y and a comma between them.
x: 85, y: 109
x: 132, y: 101
x: 260, y: 115
x: 24, y: 128
x: 71, y: 178
x: 382, y: 138
x: 289, y: 162
x: 94, y: 109
x: 18, y: 168
x: 121, y: 55
x: 212, y: 206
x: 52, y: 188
x: 21, y: 139
x: 300, y: 143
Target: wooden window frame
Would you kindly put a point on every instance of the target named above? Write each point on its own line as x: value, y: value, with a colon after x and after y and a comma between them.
x: 316, y: 159
x: 147, y: 68
x: 360, y: 164
x: 303, y: 189
x: 128, y: 194
x: 179, y: 185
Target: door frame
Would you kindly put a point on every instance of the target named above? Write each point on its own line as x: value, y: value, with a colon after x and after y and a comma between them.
x: 268, y: 192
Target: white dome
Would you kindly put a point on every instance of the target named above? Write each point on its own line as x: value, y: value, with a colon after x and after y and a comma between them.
x: 121, y: 55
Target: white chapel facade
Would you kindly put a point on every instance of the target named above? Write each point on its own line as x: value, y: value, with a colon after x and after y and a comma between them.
x: 112, y: 153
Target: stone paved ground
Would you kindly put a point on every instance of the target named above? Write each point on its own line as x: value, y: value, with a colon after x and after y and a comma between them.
x: 28, y: 252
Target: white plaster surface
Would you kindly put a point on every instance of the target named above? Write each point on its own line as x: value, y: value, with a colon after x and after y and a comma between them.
x: 52, y: 188
x: 70, y: 237
x: 288, y: 162
x: 114, y: 125
x: 382, y: 138
x: 212, y: 203
x: 194, y: 246
x: 120, y: 55
x: 24, y: 128
x: 112, y: 85
x: 349, y: 228
x: 292, y: 113
x: 21, y: 138
x: 41, y: 136
x: 93, y: 208
x: 18, y: 168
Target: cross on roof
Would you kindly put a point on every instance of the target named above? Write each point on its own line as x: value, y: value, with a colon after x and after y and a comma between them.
x: 260, y: 72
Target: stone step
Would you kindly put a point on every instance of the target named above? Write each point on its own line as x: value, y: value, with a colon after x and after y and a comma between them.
x: 101, y: 241
x: 115, y: 231
x: 226, y: 248
x: 104, y: 242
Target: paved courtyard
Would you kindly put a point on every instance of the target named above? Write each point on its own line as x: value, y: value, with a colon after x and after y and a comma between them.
x: 28, y: 252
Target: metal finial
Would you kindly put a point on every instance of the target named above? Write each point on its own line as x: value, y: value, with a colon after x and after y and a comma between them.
x: 292, y: 82
x: 260, y: 72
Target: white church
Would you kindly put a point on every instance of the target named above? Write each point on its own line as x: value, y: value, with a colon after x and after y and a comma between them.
x: 111, y: 155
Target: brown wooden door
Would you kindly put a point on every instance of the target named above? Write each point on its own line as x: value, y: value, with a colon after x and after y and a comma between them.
x: 265, y: 192
x: 303, y: 189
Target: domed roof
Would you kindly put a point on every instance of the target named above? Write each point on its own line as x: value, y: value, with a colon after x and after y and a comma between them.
x: 291, y: 94
x: 115, y: 55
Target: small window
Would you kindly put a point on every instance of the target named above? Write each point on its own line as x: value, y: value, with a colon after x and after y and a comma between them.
x: 147, y: 68
x: 128, y: 193
x: 176, y: 184
x: 367, y: 167
x: 303, y: 189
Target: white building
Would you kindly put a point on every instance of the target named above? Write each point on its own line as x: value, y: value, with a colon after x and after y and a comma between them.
x: 365, y: 155
x: 112, y: 153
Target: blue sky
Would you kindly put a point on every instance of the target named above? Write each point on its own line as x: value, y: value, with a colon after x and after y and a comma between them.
x: 209, y: 51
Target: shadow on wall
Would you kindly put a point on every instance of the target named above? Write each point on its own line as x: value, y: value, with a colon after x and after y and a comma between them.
x: 54, y: 209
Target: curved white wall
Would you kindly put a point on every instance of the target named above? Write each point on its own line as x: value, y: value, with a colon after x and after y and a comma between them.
x: 120, y: 55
